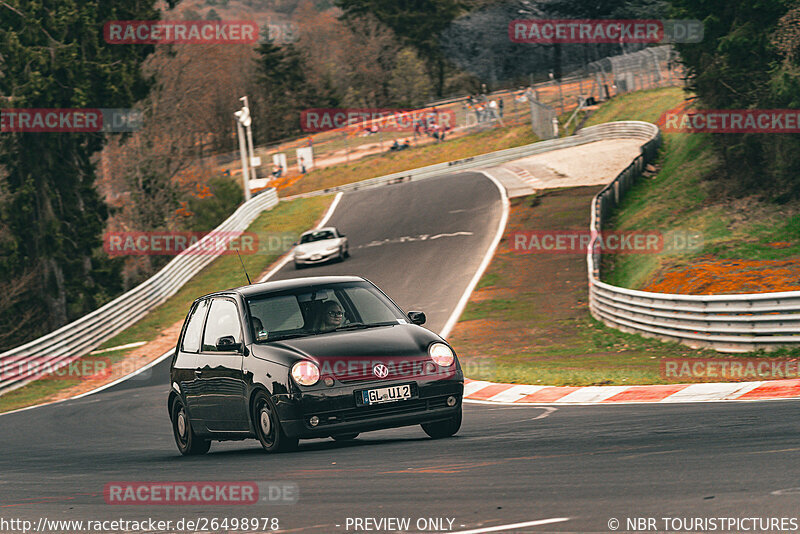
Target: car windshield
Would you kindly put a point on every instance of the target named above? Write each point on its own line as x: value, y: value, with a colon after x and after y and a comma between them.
x: 317, y: 236
x: 320, y: 309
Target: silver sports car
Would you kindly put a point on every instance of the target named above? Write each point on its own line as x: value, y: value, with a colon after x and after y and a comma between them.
x: 321, y: 245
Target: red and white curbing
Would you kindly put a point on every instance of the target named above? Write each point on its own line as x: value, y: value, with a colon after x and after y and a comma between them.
x: 478, y: 390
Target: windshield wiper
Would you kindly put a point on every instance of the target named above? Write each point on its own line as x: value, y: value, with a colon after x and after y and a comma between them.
x: 285, y: 336
x: 354, y: 326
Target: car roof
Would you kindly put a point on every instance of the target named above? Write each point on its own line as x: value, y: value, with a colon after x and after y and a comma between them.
x: 279, y: 285
x: 314, y: 231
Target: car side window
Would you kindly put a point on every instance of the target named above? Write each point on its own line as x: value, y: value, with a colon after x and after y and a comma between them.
x: 223, y: 320
x: 280, y: 314
x: 194, y: 328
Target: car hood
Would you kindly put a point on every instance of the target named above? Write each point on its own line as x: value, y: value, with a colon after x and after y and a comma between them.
x: 352, y: 354
x: 317, y: 247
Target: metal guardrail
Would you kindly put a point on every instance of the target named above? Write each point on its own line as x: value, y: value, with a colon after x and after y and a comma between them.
x: 726, y: 323
x: 729, y: 322
x: 20, y: 365
x: 612, y: 130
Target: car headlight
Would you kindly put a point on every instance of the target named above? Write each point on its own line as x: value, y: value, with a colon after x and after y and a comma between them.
x: 305, y: 373
x: 332, y: 249
x: 441, y: 354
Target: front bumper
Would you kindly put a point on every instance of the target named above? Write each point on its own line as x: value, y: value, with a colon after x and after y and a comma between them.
x: 316, y: 258
x: 338, y: 412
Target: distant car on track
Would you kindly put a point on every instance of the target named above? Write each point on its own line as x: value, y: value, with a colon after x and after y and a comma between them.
x: 314, y: 357
x: 319, y: 246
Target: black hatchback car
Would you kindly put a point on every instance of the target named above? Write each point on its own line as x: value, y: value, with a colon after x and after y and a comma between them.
x: 308, y: 358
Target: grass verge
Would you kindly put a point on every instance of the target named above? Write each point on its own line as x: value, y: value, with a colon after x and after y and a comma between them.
x: 740, y: 244
x: 528, y: 320
x: 391, y: 162
x: 291, y: 217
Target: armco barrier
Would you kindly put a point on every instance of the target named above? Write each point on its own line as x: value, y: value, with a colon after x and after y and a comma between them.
x: 611, y: 130
x: 727, y: 323
x: 79, y: 337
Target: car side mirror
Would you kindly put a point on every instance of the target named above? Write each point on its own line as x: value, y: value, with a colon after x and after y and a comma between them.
x: 416, y: 317
x: 228, y: 344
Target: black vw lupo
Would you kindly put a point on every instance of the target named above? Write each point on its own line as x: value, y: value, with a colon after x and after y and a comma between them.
x: 308, y: 358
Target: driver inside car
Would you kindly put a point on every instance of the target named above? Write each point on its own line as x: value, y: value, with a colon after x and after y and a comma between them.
x: 331, y: 318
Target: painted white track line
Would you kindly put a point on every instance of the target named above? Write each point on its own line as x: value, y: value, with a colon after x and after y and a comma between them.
x: 101, y: 388
x: 511, y: 526
x: 593, y: 394
x: 283, y: 261
x: 513, y: 394
x: 119, y: 347
x: 487, y: 258
x: 713, y: 391
x: 286, y: 258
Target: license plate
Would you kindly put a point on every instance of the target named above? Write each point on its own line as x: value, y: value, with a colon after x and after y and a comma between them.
x: 390, y: 394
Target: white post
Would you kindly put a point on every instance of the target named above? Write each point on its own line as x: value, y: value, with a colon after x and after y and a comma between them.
x: 250, y: 141
x: 243, y: 120
x: 243, y: 152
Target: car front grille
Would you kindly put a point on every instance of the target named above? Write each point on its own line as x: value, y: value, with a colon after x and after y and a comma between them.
x: 364, y: 413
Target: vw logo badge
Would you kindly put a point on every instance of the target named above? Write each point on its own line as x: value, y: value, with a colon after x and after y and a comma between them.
x: 380, y: 370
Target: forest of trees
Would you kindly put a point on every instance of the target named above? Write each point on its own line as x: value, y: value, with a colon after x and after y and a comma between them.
x: 350, y: 53
x: 749, y: 59
x: 52, y: 55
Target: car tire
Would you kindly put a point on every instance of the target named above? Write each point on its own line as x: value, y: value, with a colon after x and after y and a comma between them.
x: 268, y: 427
x: 443, y: 429
x: 341, y: 254
x: 189, y: 444
x: 346, y: 253
x: 345, y: 437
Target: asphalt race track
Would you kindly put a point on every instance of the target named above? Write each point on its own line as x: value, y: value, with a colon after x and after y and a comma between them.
x: 507, y: 465
x: 420, y: 242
